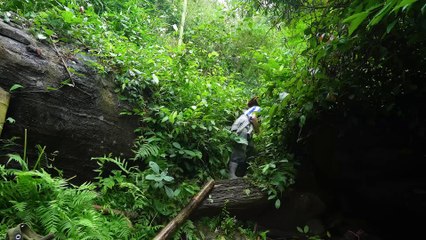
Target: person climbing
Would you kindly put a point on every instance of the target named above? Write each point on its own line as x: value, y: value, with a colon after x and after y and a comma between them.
x: 244, y: 127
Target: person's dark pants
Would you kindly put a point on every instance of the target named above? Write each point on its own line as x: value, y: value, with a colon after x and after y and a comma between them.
x: 239, y: 156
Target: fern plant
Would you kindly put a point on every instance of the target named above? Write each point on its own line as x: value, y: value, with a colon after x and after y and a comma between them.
x: 52, y: 205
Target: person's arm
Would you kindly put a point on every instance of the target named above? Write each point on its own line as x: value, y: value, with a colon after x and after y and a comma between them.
x: 256, y: 124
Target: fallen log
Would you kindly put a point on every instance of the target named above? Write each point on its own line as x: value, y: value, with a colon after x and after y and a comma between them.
x: 238, y: 196
x: 247, y: 202
x: 79, y: 117
x: 168, y: 230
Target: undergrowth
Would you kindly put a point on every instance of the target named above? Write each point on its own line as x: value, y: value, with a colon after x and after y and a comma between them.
x: 186, y: 97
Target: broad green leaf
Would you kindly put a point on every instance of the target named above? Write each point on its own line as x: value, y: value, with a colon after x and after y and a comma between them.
x: 241, y: 140
x: 382, y: 13
x: 155, y: 79
x: 193, y: 154
x: 190, y: 153
x: 176, y: 145
x: 177, y: 192
x: 150, y: 177
x: 15, y: 87
x: 355, y: 20
x: 168, y: 178
x: 390, y: 26
x: 49, y: 88
x: 403, y: 4
x: 154, y: 166
x: 273, y: 109
x: 266, y: 167
x: 48, y: 32
x: 69, y: 17
x: 306, y: 229
x: 198, y: 154
x: 169, y: 192
x: 172, y: 117
x: 213, y: 54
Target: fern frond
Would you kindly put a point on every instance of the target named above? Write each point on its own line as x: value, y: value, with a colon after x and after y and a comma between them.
x: 19, y: 206
x: 122, y: 164
x: 146, y: 150
x: 18, y: 159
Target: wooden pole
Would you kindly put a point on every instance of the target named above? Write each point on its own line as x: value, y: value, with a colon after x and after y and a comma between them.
x: 168, y: 230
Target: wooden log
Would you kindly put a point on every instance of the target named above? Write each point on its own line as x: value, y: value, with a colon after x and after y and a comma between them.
x: 79, y: 117
x: 239, y: 197
x: 168, y: 230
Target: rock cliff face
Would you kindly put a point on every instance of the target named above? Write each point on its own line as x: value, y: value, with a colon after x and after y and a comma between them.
x: 74, y: 111
x: 369, y: 171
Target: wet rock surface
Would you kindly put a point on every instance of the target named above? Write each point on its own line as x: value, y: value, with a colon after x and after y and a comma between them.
x: 76, y: 115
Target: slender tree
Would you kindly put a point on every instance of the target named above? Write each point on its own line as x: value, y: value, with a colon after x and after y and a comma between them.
x: 182, y: 21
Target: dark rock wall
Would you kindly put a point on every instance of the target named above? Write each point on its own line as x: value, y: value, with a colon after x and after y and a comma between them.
x: 369, y: 171
x: 80, y: 121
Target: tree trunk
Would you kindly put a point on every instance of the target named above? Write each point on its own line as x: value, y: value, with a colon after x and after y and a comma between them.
x: 182, y: 21
x: 80, y: 121
x: 238, y: 196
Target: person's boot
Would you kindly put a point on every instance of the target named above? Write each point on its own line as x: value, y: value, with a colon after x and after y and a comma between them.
x: 232, y: 169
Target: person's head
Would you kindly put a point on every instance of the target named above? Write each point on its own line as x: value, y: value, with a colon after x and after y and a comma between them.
x: 253, y: 102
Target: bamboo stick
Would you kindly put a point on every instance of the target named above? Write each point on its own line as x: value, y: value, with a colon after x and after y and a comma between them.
x: 168, y: 230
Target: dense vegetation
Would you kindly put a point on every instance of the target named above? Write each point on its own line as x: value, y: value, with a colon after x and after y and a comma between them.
x: 305, y: 60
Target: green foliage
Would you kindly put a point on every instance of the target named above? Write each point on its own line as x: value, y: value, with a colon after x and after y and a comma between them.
x: 272, y: 171
x: 355, y: 62
x: 308, y: 235
x: 15, y: 87
x: 152, y: 194
x: 186, y: 97
x: 320, y: 57
x: 50, y: 205
x: 224, y: 226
